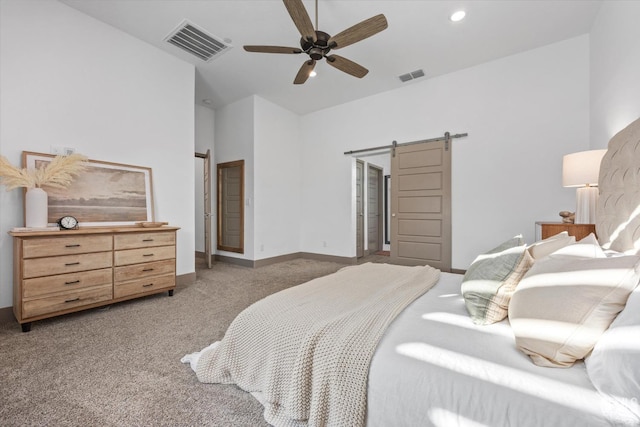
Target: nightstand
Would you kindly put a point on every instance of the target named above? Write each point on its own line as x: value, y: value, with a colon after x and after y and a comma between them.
x: 548, y: 229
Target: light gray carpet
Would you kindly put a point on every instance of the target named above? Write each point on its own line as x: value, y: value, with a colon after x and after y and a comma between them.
x: 120, y: 365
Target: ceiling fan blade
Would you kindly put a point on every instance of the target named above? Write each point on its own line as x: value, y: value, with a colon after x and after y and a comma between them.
x: 272, y: 49
x: 346, y: 65
x: 360, y: 31
x: 303, y: 73
x: 301, y: 19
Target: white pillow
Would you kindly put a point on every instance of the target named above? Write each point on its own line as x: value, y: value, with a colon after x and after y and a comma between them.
x: 588, y: 247
x: 614, y: 364
x: 568, y: 299
x: 549, y: 245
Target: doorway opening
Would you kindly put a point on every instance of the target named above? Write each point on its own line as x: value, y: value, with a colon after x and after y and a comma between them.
x: 369, y: 196
x: 203, y: 205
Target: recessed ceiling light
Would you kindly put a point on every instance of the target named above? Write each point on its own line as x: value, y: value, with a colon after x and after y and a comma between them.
x: 313, y: 73
x: 457, y: 16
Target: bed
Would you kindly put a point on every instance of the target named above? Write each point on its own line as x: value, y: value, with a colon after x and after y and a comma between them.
x: 477, y: 378
x: 536, y: 334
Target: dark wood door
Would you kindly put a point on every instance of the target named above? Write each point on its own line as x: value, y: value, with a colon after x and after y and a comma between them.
x: 231, y: 206
x: 359, y: 208
x: 374, y: 208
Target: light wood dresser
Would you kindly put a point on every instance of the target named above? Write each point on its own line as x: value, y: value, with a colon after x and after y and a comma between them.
x: 60, y: 272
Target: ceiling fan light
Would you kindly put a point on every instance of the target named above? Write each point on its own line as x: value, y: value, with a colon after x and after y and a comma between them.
x: 313, y: 73
x: 457, y: 16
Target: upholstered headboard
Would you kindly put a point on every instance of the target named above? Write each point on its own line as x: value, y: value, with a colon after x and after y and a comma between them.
x: 618, y: 207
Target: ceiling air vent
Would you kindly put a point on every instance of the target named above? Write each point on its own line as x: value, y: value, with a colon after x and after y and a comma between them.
x: 197, y: 42
x: 410, y: 76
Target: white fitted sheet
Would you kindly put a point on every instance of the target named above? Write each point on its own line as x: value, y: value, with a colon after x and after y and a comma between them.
x: 435, y: 367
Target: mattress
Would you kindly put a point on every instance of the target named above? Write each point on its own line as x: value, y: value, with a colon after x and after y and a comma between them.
x: 435, y: 367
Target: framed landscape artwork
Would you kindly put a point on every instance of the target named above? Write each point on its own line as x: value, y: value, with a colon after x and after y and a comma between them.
x: 105, y: 194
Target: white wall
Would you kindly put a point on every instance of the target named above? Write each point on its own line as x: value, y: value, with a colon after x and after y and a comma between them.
x: 204, y: 140
x: 615, y: 70
x: 67, y: 79
x: 277, y: 187
x: 522, y: 113
x: 234, y: 136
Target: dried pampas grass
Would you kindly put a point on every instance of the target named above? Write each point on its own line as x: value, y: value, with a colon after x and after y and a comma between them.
x: 59, y: 173
x: 12, y: 177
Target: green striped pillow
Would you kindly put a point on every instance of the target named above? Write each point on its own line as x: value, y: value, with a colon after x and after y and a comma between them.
x: 492, y: 278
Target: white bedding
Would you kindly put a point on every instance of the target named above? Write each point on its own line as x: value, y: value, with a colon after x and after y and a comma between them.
x: 435, y: 367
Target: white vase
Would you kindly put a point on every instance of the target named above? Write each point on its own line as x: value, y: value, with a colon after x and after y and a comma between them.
x: 36, y: 208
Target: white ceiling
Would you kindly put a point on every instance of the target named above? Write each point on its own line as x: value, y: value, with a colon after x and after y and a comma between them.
x: 420, y: 36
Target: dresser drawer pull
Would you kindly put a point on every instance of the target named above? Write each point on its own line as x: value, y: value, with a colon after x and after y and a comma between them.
x: 72, y: 263
x: 147, y: 269
x: 72, y: 300
x: 147, y: 285
x: 147, y: 240
x: 77, y: 245
x: 72, y: 282
x: 147, y: 254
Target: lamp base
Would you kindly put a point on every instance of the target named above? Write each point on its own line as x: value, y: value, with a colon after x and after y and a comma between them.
x: 586, y: 198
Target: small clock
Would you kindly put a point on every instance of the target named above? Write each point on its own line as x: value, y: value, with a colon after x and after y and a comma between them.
x: 68, y: 222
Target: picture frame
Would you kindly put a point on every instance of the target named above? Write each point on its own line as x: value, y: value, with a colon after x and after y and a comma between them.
x: 104, y: 194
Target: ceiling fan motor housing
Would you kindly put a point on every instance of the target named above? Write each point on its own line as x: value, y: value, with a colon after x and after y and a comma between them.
x: 318, y: 49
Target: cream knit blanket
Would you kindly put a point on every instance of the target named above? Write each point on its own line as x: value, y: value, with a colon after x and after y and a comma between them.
x: 305, y: 352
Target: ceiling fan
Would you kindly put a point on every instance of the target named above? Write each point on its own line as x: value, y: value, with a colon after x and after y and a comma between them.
x: 317, y: 44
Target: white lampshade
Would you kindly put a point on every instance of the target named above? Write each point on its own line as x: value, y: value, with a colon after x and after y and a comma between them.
x: 581, y: 170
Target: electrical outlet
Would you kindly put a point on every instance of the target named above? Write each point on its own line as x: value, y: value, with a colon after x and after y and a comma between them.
x: 61, y: 151
x: 57, y: 150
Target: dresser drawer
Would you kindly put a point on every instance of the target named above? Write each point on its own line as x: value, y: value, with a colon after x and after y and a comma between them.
x: 142, y: 286
x: 143, y: 240
x: 37, y: 267
x: 67, y: 300
x: 65, y: 282
x: 134, y: 271
x: 135, y: 256
x: 51, y: 246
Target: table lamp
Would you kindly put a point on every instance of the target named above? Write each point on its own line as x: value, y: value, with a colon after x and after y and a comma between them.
x: 581, y: 170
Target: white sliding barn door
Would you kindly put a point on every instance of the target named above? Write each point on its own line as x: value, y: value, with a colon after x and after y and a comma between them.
x: 421, y: 204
